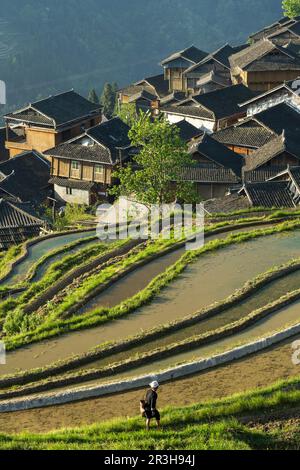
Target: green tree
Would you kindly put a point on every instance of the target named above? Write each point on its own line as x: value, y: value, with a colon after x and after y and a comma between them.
x: 93, y: 97
x: 108, y: 99
x: 291, y: 8
x: 127, y: 112
x: 157, y: 166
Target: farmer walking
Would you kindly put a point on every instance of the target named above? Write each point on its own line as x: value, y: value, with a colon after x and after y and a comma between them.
x: 148, y: 406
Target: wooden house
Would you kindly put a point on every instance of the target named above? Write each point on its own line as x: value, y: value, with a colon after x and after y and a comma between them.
x: 176, y: 64
x: 81, y: 169
x: 146, y: 94
x: 291, y: 175
x: 273, y: 157
x: 274, y: 28
x: 245, y: 137
x: 46, y: 123
x: 25, y: 179
x: 268, y: 194
x: 212, y: 73
x: 287, y: 92
x: 253, y: 132
x: 265, y: 65
x: 216, y: 169
x: 17, y: 224
x: 211, y: 111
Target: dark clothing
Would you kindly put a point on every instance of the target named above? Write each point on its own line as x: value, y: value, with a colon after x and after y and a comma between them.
x: 150, y: 405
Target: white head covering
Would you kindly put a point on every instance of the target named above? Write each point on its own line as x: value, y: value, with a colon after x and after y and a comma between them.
x: 154, y: 384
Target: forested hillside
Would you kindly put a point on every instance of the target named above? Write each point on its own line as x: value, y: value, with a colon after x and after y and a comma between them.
x: 50, y: 45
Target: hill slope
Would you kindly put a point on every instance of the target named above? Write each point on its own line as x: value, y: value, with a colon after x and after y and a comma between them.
x: 266, y: 419
x: 48, y: 46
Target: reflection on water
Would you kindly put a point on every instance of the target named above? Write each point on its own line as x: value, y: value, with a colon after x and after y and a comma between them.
x: 213, y: 277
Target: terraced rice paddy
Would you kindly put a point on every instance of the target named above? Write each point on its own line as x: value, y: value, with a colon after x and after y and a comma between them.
x: 211, y: 278
x: 201, y: 284
x: 41, y: 249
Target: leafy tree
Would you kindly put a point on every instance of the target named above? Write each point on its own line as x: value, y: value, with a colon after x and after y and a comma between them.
x: 93, y: 97
x: 127, y: 113
x: 161, y: 158
x: 108, y: 99
x: 291, y: 8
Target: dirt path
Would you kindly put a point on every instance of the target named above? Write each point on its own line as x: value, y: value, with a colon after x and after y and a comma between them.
x: 256, y: 371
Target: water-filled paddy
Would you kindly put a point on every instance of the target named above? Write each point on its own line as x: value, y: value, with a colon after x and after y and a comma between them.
x: 201, y: 284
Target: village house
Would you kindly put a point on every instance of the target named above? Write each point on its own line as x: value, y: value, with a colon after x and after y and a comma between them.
x: 268, y: 194
x: 25, y: 179
x: 216, y: 169
x: 81, y: 169
x: 253, y: 132
x: 212, y: 73
x: 17, y: 224
x: 146, y: 94
x: 211, y: 111
x: 46, y: 123
x: 265, y: 65
x: 274, y: 28
x: 187, y: 131
x: 272, y: 158
x: 244, y: 137
x: 291, y: 175
x: 176, y: 64
x: 287, y: 92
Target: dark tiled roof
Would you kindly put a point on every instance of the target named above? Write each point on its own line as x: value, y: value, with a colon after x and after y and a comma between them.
x: 295, y: 173
x: 144, y: 95
x: 221, y: 55
x: 14, y: 215
x: 218, y: 154
x: 173, y: 98
x: 274, y: 147
x: 160, y: 85
x: 74, y: 184
x: 256, y: 58
x: 192, y: 54
x: 280, y: 118
x: 17, y: 224
x: 191, y: 110
x: 252, y: 136
x: 209, y: 175
x: 27, y: 177
x: 269, y: 194
x: 262, y: 174
x: 224, y: 103
x: 108, y: 136
x: 187, y: 130
x: 61, y: 109
x: 90, y: 153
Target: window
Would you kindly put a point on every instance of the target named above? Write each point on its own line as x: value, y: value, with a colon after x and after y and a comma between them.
x: 99, y: 169
x: 69, y: 191
x: 75, y: 165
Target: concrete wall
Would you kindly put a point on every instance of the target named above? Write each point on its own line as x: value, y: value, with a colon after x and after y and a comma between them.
x: 78, y: 196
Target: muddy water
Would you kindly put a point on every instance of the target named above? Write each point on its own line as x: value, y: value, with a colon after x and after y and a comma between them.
x: 279, y: 320
x: 36, y: 252
x: 264, y: 296
x: 213, y: 277
x: 253, y: 372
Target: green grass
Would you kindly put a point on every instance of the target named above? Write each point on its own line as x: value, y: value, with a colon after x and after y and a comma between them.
x: 55, y: 326
x: 214, y: 425
x: 8, y: 258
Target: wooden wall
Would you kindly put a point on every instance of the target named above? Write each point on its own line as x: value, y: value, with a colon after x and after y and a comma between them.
x: 86, y: 172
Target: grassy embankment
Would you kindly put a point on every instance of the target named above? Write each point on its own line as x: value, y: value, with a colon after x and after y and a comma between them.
x: 234, y: 423
x: 55, y: 325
